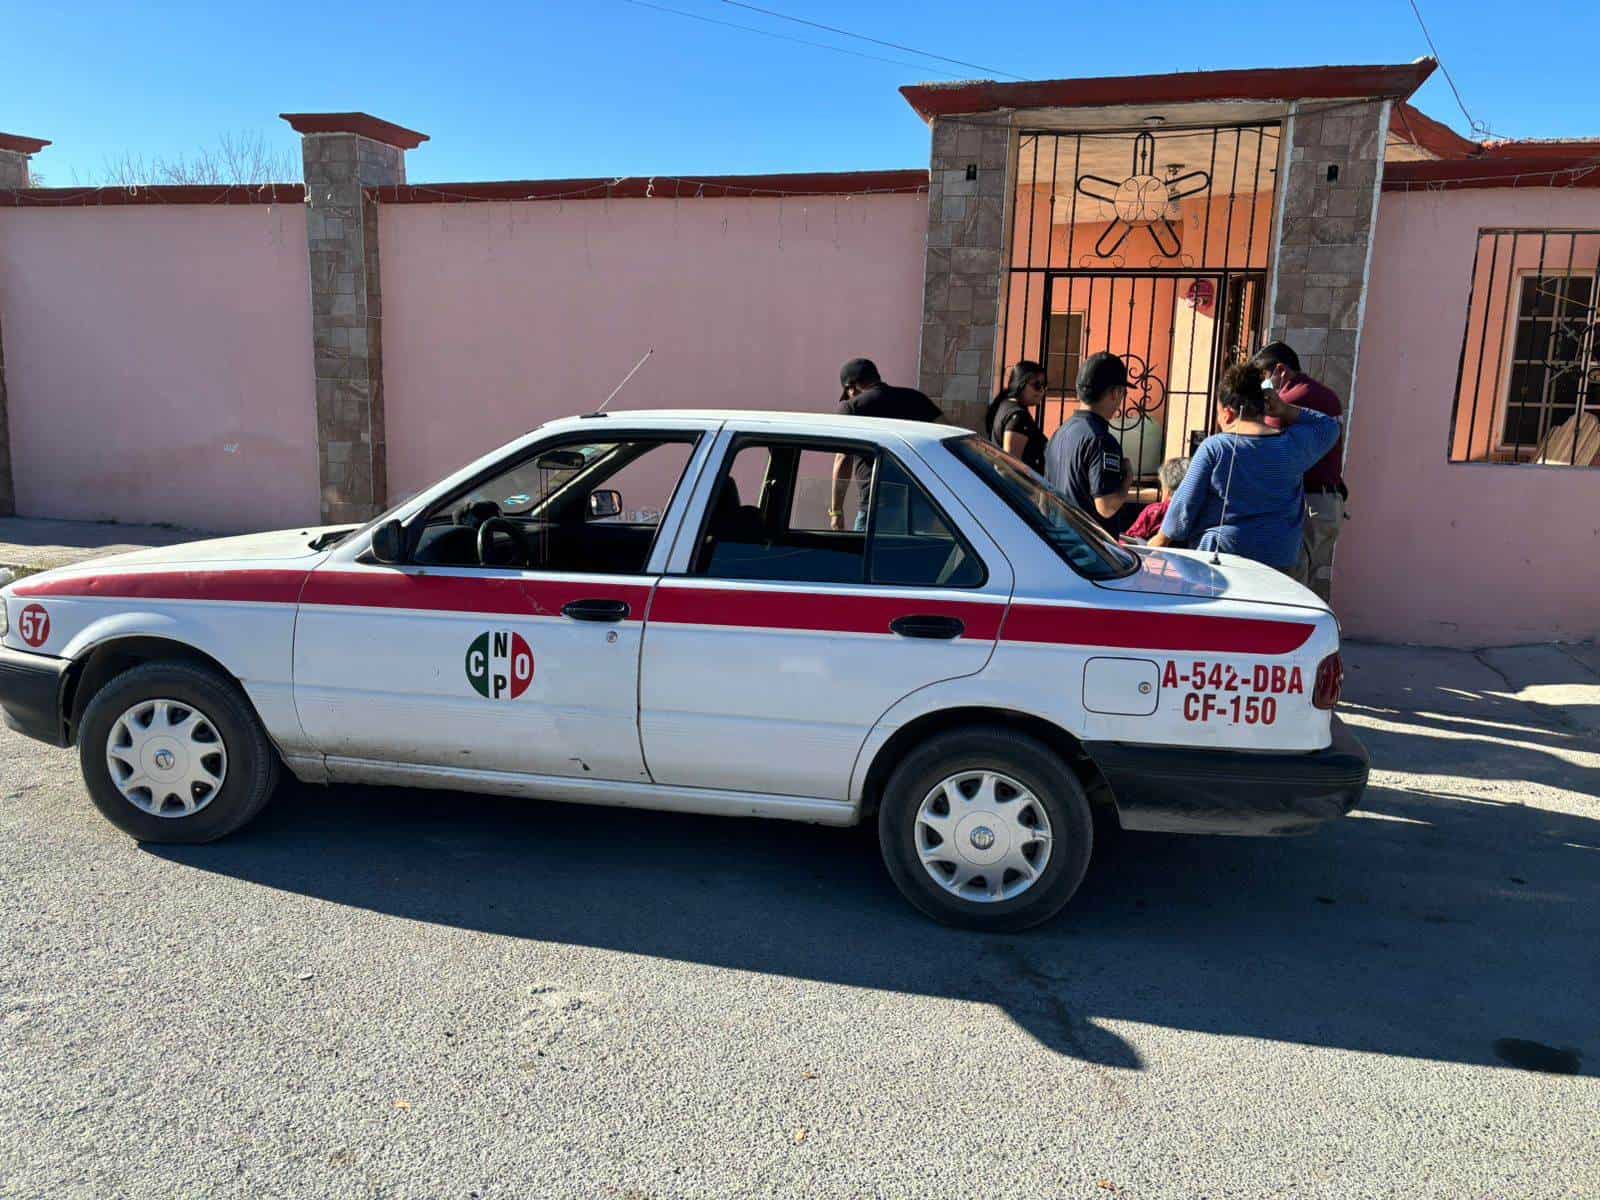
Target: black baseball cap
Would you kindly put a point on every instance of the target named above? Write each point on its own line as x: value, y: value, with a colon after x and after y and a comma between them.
x: 1099, y: 374
x: 859, y: 371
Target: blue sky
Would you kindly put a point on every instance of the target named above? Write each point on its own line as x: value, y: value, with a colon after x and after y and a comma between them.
x: 607, y: 87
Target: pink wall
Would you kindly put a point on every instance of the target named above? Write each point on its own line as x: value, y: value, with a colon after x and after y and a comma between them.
x: 498, y: 316
x: 1464, y: 553
x: 158, y: 364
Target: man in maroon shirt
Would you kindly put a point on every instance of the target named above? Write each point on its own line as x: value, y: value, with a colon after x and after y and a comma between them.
x: 1324, y: 482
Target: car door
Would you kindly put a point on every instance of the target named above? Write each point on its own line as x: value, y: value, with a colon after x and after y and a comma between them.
x: 522, y: 658
x: 781, y: 633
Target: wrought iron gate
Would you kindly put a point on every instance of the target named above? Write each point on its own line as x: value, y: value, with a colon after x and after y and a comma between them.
x: 1165, y: 267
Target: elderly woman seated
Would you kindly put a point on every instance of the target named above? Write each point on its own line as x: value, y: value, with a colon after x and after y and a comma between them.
x: 1149, y: 520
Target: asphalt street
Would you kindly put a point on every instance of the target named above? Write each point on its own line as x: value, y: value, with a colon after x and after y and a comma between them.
x: 409, y: 994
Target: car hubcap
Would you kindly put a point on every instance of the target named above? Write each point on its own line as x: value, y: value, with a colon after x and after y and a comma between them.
x: 983, y: 836
x: 166, y: 758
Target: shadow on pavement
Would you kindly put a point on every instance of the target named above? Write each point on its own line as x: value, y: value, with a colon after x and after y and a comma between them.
x: 1433, y: 926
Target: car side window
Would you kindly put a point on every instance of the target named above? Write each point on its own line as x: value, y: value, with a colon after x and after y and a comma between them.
x: 784, y: 530
x: 590, y: 507
x: 804, y: 525
x: 913, y: 544
x: 813, y: 504
x: 643, y: 488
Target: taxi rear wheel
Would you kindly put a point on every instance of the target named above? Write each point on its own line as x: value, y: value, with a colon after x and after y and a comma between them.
x: 985, y: 829
x: 174, y: 752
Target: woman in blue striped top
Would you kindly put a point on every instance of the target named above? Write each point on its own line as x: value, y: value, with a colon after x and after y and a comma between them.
x: 1243, y: 493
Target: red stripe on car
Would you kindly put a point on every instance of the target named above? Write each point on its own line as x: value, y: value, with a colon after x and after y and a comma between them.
x: 1143, y: 630
x: 455, y: 593
x: 753, y: 609
x: 825, y: 612
x: 263, y: 587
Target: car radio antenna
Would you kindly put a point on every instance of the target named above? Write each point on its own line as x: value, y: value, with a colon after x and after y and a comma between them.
x: 601, y: 411
x: 1216, y: 555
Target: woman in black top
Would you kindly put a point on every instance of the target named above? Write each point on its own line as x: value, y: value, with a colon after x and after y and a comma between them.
x: 1010, y: 419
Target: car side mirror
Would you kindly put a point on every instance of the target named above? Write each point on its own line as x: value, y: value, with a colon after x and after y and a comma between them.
x: 603, y: 503
x: 389, y: 542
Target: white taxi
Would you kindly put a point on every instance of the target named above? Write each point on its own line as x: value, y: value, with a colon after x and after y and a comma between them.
x: 690, y: 611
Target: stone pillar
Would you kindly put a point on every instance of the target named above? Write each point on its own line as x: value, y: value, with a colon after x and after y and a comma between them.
x: 344, y: 154
x: 15, y: 151
x: 1330, y: 175
x: 967, y: 188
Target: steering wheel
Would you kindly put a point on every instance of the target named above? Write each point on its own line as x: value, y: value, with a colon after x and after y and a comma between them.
x: 486, y: 532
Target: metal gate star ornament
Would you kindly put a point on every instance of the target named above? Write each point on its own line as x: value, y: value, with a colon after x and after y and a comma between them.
x: 1143, y: 201
x: 1145, y: 397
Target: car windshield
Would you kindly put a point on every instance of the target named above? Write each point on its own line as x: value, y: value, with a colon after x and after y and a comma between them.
x: 1087, y: 548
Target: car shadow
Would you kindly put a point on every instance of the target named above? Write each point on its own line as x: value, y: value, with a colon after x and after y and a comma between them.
x: 1433, y: 925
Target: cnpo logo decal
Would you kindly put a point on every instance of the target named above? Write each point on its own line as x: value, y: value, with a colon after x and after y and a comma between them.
x: 34, y: 625
x: 499, y: 665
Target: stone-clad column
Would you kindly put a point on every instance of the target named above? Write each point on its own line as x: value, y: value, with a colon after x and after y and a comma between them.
x: 15, y: 151
x: 1331, y: 172
x: 344, y: 154
x: 965, y: 261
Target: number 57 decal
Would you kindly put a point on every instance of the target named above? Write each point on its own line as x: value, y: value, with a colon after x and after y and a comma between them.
x: 34, y: 625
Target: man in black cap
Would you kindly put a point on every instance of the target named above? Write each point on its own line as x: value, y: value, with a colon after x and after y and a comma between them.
x: 865, y: 394
x: 1083, y: 461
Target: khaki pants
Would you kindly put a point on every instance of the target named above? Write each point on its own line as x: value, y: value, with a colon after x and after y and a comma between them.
x: 1324, y: 516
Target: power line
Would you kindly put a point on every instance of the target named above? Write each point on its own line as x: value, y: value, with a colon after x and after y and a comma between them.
x: 1477, y: 127
x: 783, y: 37
x: 767, y: 12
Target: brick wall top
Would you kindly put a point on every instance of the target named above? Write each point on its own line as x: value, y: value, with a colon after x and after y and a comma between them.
x: 1556, y: 170
x: 262, y: 193
x: 664, y: 187
x: 658, y: 187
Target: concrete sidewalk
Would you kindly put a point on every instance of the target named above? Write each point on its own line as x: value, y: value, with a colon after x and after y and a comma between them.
x: 1504, y: 688
x: 28, y: 545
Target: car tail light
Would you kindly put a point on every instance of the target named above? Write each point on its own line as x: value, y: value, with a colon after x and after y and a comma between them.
x: 1330, y: 680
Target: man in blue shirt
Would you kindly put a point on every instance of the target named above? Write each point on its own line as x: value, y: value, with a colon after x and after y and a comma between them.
x: 1083, y: 461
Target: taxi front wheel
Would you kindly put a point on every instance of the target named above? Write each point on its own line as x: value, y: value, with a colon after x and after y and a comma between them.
x: 985, y: 828
x: 174, y: 752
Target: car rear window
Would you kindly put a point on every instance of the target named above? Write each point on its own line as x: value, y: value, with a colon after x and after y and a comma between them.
x: 1087, y: 549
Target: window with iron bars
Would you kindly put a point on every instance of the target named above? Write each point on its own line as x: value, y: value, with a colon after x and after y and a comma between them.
x: 1529, y: 388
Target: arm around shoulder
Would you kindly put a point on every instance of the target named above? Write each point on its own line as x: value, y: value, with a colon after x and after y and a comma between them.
x: 1314, y: 432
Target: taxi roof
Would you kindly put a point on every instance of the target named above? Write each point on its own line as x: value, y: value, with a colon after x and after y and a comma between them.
x: 822, y: 424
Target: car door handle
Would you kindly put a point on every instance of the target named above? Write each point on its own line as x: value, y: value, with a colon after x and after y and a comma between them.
x: 944, y: 628
x: 596, y: 610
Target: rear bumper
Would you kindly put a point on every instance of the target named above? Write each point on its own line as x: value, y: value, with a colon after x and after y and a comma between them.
x: 30, y: 694
x: 1174, y: 789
